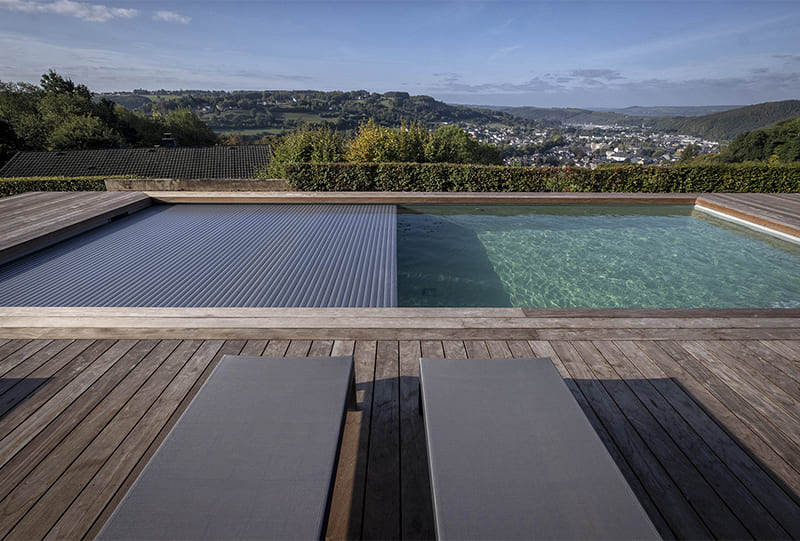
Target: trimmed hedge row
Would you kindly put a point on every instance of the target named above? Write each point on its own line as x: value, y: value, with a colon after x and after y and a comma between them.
x: 12, y: 186
x: 437, y: 177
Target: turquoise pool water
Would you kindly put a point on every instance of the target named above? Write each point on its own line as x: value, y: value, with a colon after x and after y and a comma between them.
x: 589, y: 256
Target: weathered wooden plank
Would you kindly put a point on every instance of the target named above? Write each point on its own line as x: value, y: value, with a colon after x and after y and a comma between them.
x: 708, y: 504
x: 347, y: 510
x: 253, y: 348
x: 25, y: 368
x: 736, y: 496
x: 23, y: 497
x: 321, y: 348
x: 545, y: 349
x: 765, y: 398
x: 657, y: 313
x: 520, y: 349
x: 71, y: 218
x: 276, y: 348
x: 416, y: 508
x: 382, y: 502
x: 678, y: 513
x: 68, y: 209
x: 760, y: 205
x: 9, y: 346
x: 790, y: 349
x: 58, y: 445
x: 476, y: 349
x: 755, y: 207
x: 12, y: 443
x: 298, y: 348
x: 89, y: 494
x: 333, y: 329
x: 747, y: 470
x: 784, y: 458
x: 454, y: 349
x: 774, y: 368
x: 21, y: 355
x: 498, y: 349
x: 55, y: 374
x: 342, y: 347
x: 191, y: 319
x: 432, y: 349
x: 19, y: 209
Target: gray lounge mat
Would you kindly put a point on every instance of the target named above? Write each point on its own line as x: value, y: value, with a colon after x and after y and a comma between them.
x: 252, y: 457
x: 512, y: 456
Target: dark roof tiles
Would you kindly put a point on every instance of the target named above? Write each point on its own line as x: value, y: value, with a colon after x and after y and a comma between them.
x: 159, y: 162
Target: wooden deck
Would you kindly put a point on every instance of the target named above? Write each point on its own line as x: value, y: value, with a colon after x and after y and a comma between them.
x: 706, y: 430
x: 33, y: 220
x: 699, y: 408
x: 780, y: 212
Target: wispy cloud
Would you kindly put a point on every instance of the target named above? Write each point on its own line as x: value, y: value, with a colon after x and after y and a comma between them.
x: 604, y: 74
x: 503, y: 52
x: 171, y: 17
x: 86, y: 12
x: 452, y: 84
x: 106, y: 69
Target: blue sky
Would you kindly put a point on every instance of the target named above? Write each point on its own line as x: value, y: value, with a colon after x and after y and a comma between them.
x: 546, y: 54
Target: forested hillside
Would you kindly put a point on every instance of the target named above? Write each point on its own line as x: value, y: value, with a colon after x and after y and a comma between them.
x: 726, y: 125
x: 569, y: 115
x: 780, y: 143
x: 278, y: 111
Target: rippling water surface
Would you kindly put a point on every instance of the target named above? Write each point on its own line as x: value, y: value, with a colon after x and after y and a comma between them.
x: 589, y: 256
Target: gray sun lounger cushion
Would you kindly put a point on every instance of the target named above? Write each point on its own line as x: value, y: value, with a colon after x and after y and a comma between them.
x: 512, y: 456
x: 252, y: 457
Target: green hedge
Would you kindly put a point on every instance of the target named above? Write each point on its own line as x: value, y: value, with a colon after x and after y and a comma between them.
x: 12, y: 186
x: 436, y: 177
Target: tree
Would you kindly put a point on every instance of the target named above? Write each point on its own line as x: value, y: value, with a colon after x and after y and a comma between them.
x: 83, y: 132
x: 53, y: 83
x: 307, y: 144
x: 188, y: 129
x: 412, y: 139
x: 9, y: 142
x: 373, y: 143
x: 689, y: 153
x: 451, y: 144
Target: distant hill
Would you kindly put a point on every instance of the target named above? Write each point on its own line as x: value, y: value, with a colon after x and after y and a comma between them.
x: 669, y: 110
x: 568, y: 115
x: 275, y: 111
x: 719, y: 126
x: 726, y: 125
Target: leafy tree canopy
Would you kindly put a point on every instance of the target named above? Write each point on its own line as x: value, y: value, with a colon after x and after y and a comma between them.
x: 373, y: 143
x: 778, y: 144
x: 60, y: 114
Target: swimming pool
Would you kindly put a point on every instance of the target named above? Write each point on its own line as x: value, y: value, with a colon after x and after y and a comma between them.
x: 589, y: 256
x: 383, y: 255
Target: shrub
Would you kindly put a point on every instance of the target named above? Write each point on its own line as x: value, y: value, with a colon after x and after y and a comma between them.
x: 13, y: 186
x: 310, y: 144
x: 420, y: 177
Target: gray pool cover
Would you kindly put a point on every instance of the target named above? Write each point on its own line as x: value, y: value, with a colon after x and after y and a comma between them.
x: 218, y: 255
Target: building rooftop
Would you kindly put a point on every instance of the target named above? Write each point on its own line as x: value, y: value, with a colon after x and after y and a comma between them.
x: 233, y: 162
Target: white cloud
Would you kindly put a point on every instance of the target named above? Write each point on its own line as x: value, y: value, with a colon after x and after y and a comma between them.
x: 171, y: 17
x: 85, y: 12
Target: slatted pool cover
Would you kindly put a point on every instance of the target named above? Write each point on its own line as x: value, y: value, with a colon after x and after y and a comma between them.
x: 218, y: 255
